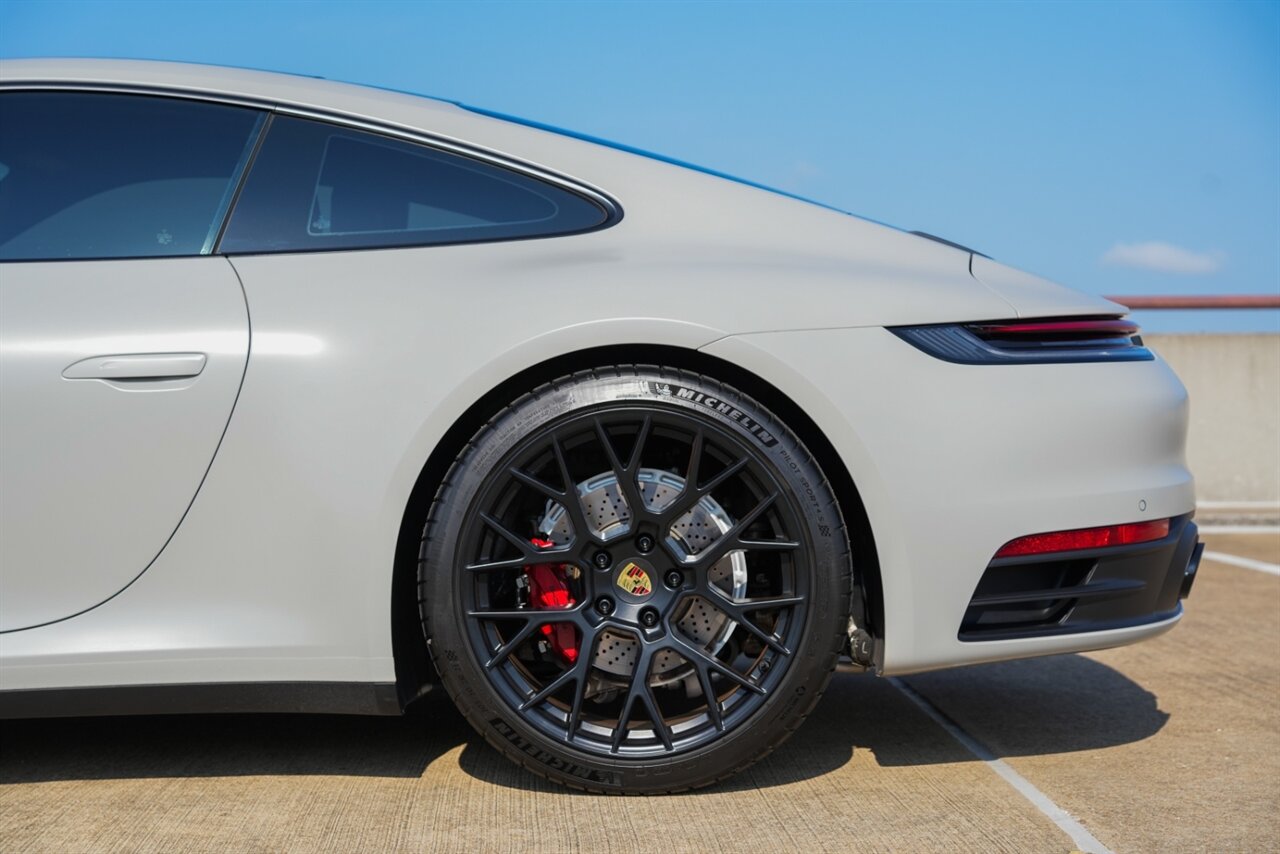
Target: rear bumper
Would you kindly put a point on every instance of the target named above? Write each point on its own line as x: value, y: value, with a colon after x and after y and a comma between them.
x: 953, y: 461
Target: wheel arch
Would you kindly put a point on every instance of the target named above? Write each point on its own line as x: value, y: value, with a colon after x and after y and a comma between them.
x: 414, y: 671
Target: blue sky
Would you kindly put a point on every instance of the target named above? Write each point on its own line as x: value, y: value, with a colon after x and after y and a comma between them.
x: 1121, y: 148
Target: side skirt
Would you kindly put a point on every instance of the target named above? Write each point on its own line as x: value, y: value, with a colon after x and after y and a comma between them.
x: 331, y: 698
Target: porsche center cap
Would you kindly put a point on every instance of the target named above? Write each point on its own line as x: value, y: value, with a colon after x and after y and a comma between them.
x: 634, y: 579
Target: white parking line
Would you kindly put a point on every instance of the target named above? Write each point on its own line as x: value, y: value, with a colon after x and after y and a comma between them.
x: 1245, y: 562
x: 1240, y: 529
x: 1242, y: 505
x: 1083, y: 839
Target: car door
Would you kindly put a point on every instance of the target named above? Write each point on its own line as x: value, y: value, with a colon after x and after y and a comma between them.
x: 123, y: 341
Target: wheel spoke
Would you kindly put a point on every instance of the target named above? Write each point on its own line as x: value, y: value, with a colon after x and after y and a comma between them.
x: 692, y: 494
x: 639, y: 674
x: 763, y: 603
x: 504, y: 651
x: 533, y: 620
x: 569, y: 675
x: 694, y: 655
x: 709, y: 693
x: 639, y: 691
x: 606, y: 444
x: 767, y: 545
x: 526, y: 548
x: 577, y: 675
x: 539, y: 617
x: 731, y: 539
x: 637, y: 450
x: 738, y: 613
x: 571, y: 500
x: 580, y: 691
x: 620, y: 731
x: 769, y: 640
x: 492, y: 565
x: 660, y: 727
x: 695, y: 461
x: 625, y: 475
x: 729, y: 471
x: 534, y: 617
x: 529, y: 480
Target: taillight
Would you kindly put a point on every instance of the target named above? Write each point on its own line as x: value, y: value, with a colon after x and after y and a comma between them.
x: 1086, y: 538
x: 1042, y: 332
x: 1039, y: 341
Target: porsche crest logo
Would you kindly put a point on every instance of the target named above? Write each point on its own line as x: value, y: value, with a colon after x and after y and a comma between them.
x: 634, y: 580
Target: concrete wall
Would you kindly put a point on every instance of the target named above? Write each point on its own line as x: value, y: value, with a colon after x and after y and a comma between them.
x: 1234, y: 382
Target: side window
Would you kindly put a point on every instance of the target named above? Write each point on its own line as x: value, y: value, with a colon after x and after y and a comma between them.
x: 86, y: 175
x: 316, y: 186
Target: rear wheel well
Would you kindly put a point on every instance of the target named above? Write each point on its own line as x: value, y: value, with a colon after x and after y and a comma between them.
x: 414, y: 671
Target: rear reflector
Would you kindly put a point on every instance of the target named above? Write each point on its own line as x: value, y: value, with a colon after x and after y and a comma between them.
x: 1086, y: 538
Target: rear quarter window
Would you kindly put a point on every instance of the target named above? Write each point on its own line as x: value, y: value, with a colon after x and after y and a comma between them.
x: 316, y: 186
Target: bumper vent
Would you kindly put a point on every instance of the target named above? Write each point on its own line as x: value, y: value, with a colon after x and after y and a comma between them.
x: 1084, y: 590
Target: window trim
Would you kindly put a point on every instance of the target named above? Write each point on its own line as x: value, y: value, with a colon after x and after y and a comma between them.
x: 264, y: 127
x: 611, y: 207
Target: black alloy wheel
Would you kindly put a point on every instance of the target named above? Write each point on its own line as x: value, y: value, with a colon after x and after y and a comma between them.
x: 635, y: 580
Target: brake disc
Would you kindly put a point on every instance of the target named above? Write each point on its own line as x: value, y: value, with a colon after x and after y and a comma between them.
x: 699, y: 620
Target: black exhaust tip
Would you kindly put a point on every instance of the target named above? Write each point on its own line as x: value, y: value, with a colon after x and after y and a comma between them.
x: 1189, y: 577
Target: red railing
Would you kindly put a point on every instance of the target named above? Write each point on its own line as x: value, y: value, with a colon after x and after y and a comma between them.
x: 1224, y: 301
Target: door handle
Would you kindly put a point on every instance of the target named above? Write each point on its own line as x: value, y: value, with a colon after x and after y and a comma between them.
x: 137, y: 367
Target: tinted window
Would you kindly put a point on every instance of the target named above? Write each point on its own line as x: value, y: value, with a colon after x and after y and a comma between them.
x: 318, y: 186
x: 115, y: 176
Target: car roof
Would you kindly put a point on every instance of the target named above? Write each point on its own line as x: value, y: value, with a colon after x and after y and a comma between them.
x: 272, y: 87
x: 242, y: 83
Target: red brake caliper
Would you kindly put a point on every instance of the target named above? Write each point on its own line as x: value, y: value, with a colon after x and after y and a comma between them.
x: 549, y: 589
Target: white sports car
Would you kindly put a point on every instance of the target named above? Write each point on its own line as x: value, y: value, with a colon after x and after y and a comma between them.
x: 314, y: 396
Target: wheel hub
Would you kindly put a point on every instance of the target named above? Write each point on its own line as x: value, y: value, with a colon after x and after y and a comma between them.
x: 634, y: 579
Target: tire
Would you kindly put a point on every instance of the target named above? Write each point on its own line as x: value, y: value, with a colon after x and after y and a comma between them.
x: 541, y: 610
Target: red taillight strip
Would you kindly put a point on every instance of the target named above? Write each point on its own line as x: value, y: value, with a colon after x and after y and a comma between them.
x: 1116, y: 327
x: 1086, y: 538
